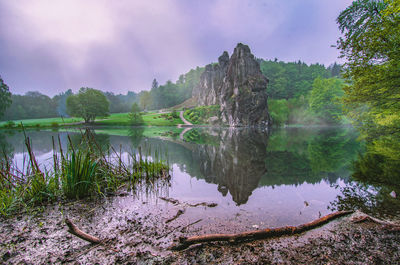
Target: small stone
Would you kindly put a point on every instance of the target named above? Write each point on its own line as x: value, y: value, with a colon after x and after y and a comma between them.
x: 393, y: 194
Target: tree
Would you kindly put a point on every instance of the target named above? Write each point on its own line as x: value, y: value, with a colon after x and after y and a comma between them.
x: 371, y: 44
x: 5, y: 97
x: 154, y: 84
x: 135, y: 117
x: 145, y: 100
x: 324, y: 99
x: 88, y: 104
x: 61, y: 102
x: 32, y: 105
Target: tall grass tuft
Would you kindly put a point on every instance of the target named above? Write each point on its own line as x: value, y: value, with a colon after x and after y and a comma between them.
x: 78, y: 174
x: 79, y: 171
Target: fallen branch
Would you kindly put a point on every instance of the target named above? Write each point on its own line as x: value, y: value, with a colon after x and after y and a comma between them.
x: 73, y: 229
x: 180, y: 212
x: 387, y: 225
x: 176, y: 202
x: 173, y: 201
x: 207, y: 204
x: 185, y: 242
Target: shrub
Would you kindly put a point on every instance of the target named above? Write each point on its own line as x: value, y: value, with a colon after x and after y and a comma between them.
x: 9, y: 124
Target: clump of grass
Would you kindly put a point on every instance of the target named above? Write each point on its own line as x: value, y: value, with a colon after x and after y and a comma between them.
x: 80, y: 171
x: 78, y: 174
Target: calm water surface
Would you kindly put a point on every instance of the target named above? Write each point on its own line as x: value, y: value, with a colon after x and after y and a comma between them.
x: 283, y: 177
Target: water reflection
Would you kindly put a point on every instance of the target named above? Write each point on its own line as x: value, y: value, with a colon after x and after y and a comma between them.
x: 238, y: 161
x: 376, y: 180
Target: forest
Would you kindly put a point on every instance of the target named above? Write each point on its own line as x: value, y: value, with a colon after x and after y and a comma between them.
x: 289, y: 90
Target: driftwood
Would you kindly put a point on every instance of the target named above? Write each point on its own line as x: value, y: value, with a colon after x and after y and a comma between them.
x: 180, y: 212
x: 386, y: 225
x: 185, y: 242
x: 73, y: 229
x: 176, y: 202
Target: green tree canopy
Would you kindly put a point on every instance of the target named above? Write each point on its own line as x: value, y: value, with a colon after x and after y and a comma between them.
x: 135, y: 116
x: 371, y: 45
x: 5, y: 97
x: 325, y: 99
x: 88, y: 104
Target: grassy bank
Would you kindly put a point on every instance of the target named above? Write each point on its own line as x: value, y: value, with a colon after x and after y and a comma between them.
x: 149, y: 119
x: 80, y: 171
x: 116, y: 119
x: 45, y: 122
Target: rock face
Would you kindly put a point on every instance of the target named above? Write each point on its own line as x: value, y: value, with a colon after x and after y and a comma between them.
x: 238, y: 86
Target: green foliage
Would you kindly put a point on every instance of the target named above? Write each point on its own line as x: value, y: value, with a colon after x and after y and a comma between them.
x: 121, y: 103
x: 5, y: 97
x: 279, y: 111
x: 135, y: 116
x: 88, y: 104
x: 200, y: 115
x: 85, y: 169
x: 145, y: 100
x: 9, y: 124
x: 79, y: 174
x: 32, y: 105
x: 171, y: 94
x: 325, y: 99
x: 291, y: 80
x: 295, y: 111
x: 60, y: 102
x: 371, y: 44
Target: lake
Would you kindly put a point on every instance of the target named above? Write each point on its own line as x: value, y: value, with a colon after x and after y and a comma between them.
x: 258, y: 178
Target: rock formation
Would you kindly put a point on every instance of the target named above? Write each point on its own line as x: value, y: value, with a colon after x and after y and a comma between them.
x: 238, y: 86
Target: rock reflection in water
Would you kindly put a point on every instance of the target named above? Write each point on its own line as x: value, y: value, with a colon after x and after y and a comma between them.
x: 236, y: 163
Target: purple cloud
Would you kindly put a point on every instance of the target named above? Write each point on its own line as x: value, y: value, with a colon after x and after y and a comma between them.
x: 120, y: 46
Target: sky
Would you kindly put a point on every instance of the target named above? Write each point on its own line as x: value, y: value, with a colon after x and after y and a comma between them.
x: 119, y: 46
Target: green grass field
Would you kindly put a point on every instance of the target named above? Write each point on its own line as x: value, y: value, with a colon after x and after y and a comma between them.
x: 116, y: 119
x: 46, y: 122
x: 150, y: 119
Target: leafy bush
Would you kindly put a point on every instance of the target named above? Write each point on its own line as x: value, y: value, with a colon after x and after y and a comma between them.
x: 9, y: 124
x: 200, y: 115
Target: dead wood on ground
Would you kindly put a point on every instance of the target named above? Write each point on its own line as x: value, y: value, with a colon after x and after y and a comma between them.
x: 180, y: 212
x: 176, y: 202
x: 386, y: 225
x: 73, y: 229
x: 185, y: 242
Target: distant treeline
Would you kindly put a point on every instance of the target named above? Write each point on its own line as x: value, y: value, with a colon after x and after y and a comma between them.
x: 171, y: 94
x: 287, y: 81
x: 34, y: 105
x: 295, y: 79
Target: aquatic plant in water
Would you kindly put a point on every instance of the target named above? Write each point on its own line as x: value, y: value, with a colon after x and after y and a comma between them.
x: 85, y: 169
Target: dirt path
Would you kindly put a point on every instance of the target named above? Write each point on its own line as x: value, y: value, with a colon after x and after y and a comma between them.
x: 183, y: 132
x: 186, y: 122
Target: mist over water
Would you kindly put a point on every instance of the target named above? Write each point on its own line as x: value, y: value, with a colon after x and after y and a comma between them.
x: 283, y: 177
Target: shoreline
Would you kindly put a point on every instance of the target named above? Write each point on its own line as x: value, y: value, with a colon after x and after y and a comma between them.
x: 141, y: 234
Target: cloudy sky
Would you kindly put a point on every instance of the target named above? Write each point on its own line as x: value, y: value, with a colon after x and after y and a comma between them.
x: 53, y: 45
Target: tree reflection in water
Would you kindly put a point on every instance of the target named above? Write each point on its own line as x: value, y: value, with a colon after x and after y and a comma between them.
x: 375, y: 188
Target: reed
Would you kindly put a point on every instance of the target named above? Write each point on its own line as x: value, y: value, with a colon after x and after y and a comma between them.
x: 79, y: 171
